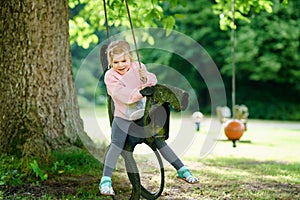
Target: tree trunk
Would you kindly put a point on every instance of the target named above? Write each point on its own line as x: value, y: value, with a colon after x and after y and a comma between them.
x: 39, y: 109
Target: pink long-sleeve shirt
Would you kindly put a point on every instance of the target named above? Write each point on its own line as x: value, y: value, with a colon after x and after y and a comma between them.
x: 125, y: 91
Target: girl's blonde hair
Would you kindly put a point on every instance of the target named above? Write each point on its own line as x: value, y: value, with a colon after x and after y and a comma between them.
x: 116, y: 48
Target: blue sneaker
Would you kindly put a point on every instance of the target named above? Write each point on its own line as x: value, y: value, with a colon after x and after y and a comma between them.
x: 105, y: 186
x: 185, y: 175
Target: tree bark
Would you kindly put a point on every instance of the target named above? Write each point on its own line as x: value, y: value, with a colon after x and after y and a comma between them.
x: 39, y: 109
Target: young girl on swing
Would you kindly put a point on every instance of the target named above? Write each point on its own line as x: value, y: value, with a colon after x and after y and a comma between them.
x: 123, y: 82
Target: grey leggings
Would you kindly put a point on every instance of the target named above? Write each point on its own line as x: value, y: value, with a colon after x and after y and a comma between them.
x: 118, y: 141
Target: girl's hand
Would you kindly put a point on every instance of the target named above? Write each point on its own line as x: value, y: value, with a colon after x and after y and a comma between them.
x: 144, y: 86
x: 143, y: 75
x: 147, y: 91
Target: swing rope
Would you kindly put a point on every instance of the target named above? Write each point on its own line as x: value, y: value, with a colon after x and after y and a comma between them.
x: 233, y: 57
x: 132, y: 32
x: 106, y: 21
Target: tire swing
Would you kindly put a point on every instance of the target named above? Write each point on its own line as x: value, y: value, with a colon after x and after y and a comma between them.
x: 233, y: 128
x: 161, y: 97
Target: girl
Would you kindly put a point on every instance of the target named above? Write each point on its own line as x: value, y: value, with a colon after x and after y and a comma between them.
x: 124, y: 81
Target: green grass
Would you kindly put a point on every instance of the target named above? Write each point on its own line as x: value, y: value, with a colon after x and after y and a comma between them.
x: 242, y: 178
x: 266, y: 168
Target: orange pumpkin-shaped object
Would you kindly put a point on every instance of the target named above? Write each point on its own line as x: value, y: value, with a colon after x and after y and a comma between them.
x: 234, y: 129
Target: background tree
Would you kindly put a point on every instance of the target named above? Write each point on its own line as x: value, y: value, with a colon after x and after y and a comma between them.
x: 88, y: 18
x: 204, y: 28
x: 243, y: 10
x: 260, y: 42
x: 39, y: 110
x: 267, y: 63
x: 267, y: 57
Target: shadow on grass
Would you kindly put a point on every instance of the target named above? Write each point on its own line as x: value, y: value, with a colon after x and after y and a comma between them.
x: 220, y: 178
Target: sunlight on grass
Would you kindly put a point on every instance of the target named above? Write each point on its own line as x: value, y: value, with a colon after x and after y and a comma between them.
x: 264, y: 140
x: 243, y: 178
x: 264, y: 165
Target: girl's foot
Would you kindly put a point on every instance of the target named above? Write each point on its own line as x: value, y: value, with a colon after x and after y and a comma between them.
x: 185, y: 174
x: 105, y: 186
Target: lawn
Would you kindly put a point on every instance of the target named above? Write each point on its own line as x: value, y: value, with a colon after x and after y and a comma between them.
x: 264, y: 165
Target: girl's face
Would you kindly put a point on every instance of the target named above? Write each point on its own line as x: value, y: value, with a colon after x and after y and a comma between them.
x: 121, y: 63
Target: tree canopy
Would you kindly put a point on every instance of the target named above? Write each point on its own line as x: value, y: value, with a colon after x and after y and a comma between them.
x: 266, y: 50
x: 88, y: 17
x: 243, y: 10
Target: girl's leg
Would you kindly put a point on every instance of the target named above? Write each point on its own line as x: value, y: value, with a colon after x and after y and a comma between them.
x: 168, y: 154
x: 182, y: 171
x: 137, y: 129
x: 116, y: 147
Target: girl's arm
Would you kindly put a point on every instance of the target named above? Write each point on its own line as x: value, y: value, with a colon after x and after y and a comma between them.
x: 120, y: 90
x: 151, y: 78
x: 126, y: 89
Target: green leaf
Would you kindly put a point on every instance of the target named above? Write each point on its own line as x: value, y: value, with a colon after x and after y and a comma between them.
x: 169, y: 23
x: 154, y: 2
x: 150, y: 40
x: 38, y: 172
x: 182, y: 2
x: 173, y: 3
x: 180, y: 16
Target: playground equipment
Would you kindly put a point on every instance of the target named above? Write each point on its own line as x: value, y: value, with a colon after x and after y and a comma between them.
x: 159, y: 99
x: 233, y: 128
x: 223, y: 113
x: 240, y: 112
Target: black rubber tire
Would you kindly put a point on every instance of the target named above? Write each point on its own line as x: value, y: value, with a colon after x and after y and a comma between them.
x: 154, y: 195
x: 134, y: 177
x: 137, y: 188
